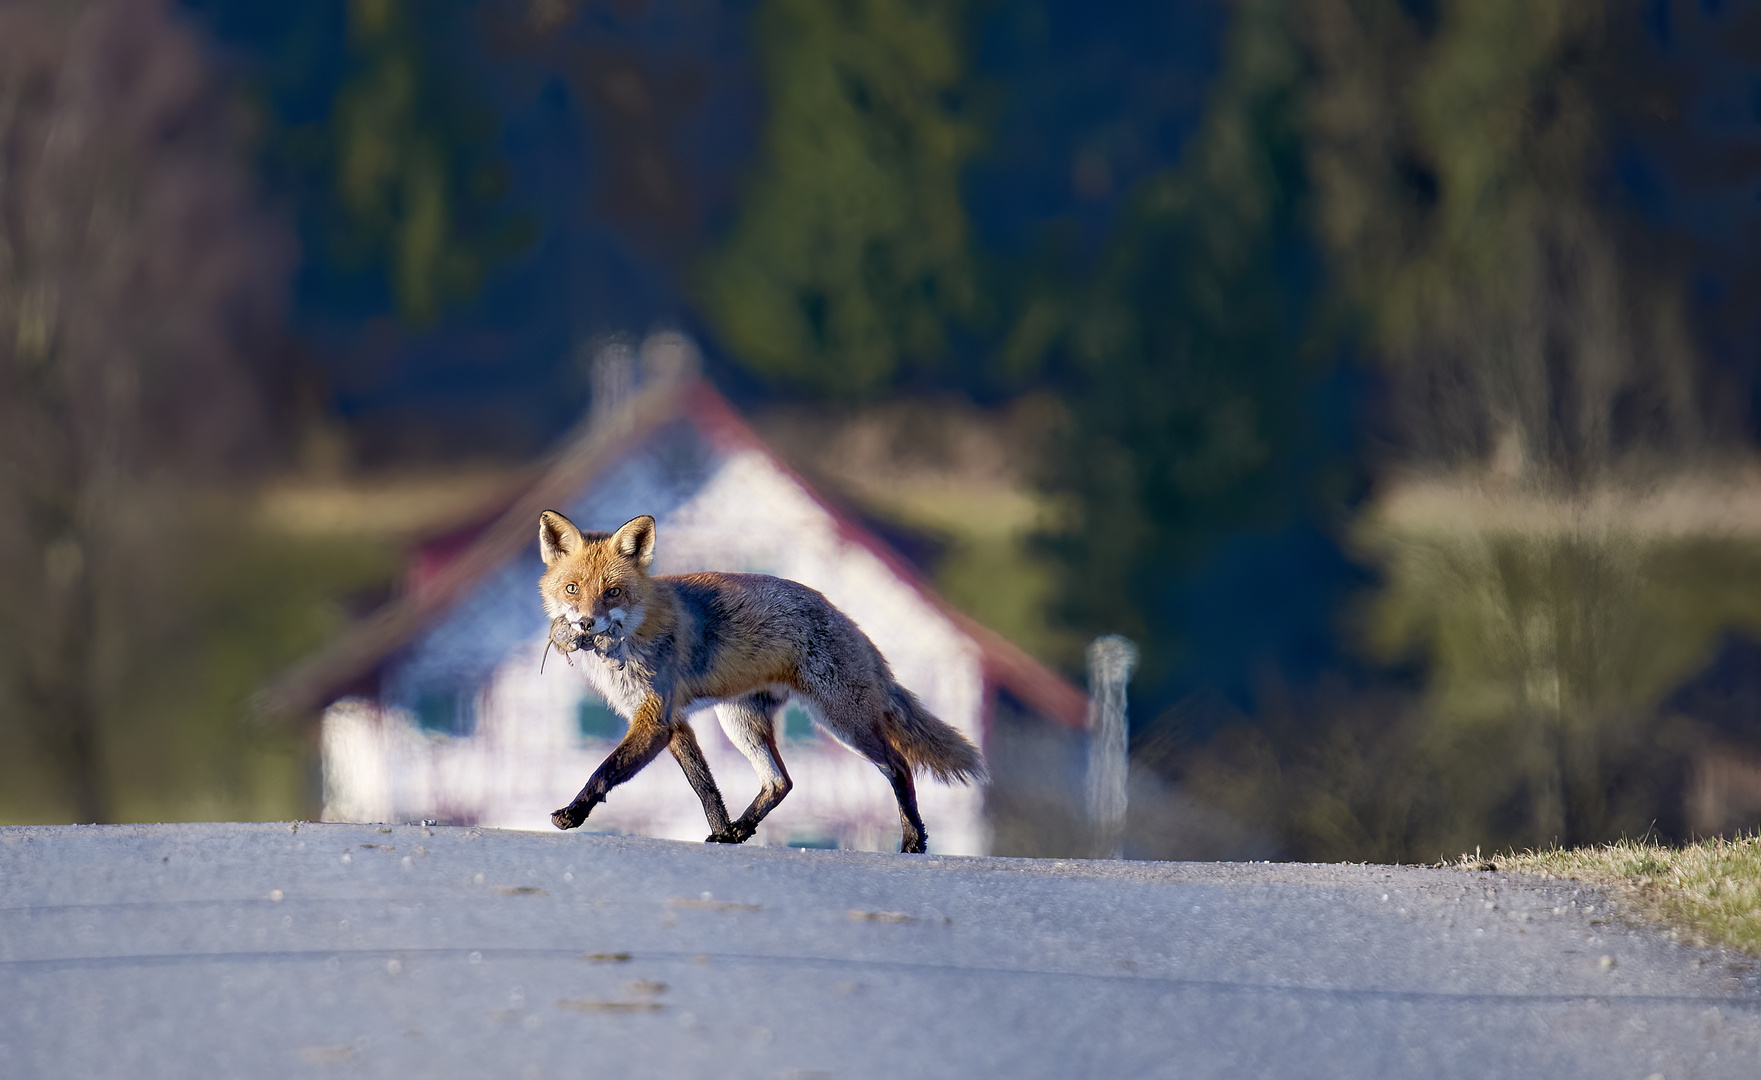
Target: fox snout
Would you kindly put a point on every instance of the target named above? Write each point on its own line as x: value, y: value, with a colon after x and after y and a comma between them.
x: 613, y: 620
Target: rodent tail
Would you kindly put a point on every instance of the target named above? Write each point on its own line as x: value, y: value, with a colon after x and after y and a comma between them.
x: 931, y: 745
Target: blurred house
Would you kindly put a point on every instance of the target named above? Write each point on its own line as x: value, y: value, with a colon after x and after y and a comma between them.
x: 445, y: 706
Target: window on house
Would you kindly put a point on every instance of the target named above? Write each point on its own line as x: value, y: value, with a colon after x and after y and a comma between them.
x: 596, y: 720
x: 447, y: 712
x: 797, y: 723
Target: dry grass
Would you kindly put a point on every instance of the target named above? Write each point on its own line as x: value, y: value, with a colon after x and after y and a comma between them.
x: 1711, y: 889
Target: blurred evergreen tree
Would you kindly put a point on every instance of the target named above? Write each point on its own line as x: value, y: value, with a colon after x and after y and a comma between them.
x: 1458, y: 151
x: 850, y: 258
x: 417, y: 180
x: 1185, y: 364
x: 379, y: 130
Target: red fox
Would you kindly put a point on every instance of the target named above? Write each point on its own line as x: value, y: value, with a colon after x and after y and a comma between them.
x: 660, y: 646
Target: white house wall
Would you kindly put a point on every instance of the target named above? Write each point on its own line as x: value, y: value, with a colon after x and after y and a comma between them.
x: 735, y: 512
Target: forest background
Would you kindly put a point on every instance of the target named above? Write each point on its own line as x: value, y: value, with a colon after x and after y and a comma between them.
x: 1387, y: 369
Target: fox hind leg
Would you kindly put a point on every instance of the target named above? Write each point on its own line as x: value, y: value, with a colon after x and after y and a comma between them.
x: 750, y: 725
x: 913, y: 837
x: 873, y: 745
x: 855, y: 713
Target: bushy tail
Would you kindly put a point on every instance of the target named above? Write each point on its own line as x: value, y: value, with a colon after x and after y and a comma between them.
x: 929, y: 744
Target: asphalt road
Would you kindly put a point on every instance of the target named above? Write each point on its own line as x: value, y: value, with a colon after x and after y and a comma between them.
x: 345, y: 950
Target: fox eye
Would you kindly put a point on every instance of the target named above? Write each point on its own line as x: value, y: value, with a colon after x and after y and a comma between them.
x: 571, y: 589
x: 613, y: 593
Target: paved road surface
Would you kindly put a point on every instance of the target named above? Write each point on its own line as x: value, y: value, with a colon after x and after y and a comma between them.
x: 354, y: 950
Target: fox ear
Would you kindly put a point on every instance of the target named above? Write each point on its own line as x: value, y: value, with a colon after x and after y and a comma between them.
x: 557, y: 537
x: 636, y: 540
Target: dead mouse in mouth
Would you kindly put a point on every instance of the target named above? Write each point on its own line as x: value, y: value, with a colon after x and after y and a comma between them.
x: 567, y: 637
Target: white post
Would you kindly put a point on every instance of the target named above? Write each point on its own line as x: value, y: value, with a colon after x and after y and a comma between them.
x: 614, y: 381
x: 1110, y: 660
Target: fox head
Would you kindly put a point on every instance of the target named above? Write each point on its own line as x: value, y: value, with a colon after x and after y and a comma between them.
x: 598, y: 581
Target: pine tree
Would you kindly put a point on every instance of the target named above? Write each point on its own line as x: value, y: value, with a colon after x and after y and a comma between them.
x: 850, y: 257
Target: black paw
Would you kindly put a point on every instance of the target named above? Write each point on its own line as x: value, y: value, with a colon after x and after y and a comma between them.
x: 913, y: 845
x: 569, y: 817
x: 737, y: 833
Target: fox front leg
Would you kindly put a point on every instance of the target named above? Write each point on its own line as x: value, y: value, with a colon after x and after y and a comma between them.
x: 648, y: 735
x: 690, y: 758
